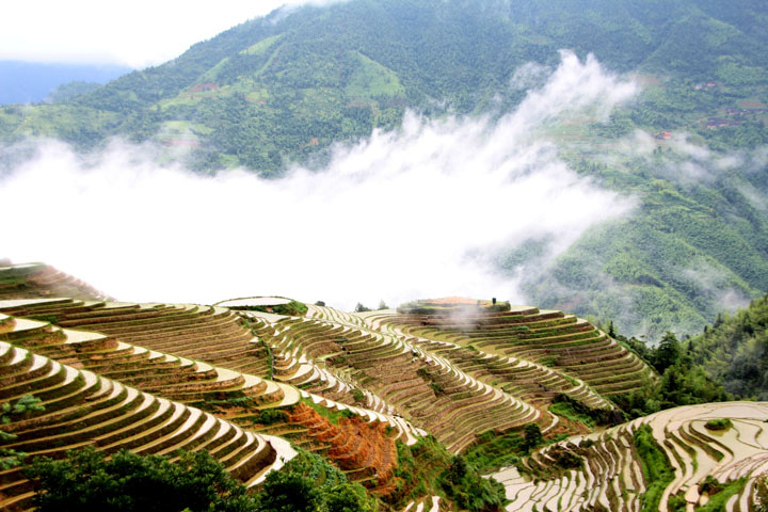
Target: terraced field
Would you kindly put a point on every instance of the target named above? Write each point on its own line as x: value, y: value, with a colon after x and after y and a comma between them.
x: 225, y: 392
x: 424, y: 388
x: 248, y: 385
x: 612, y: 476
x: 82, y: 408
x: 40, y: 280
x: 559, y: 341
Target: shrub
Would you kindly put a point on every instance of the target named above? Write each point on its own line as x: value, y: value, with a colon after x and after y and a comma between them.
x: 719, y: 424
x: 307, y: 483
x: 86, y: 481
x: 463, y: 484
x: 359, y: 308
x: 270, y: 416
x: 23, y: 407
x: 564, y: 458
x: 532, y: 436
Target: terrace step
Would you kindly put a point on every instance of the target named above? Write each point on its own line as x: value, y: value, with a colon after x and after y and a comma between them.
x: 110, y: 416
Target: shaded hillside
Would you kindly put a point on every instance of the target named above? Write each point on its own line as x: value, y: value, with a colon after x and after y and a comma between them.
x: 734, y: 350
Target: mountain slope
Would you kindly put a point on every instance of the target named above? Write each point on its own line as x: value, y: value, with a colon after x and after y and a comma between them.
x: 265, y: 90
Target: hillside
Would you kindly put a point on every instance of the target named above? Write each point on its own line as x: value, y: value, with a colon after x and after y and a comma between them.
x: 688, y: 149
x: 288, y: 85
x: 398, y: 400
x: 733, y: 350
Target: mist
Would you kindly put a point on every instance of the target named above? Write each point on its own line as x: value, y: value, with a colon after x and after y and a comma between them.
x: 419, y: 212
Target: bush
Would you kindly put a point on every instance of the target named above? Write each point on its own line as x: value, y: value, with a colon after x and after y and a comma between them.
x: 271, y: 416
x: 532, y: 436
x: 85, y: 481
x: 656, y: 468
x: 308, y: 483
x: 359, y: 308
x: 463, y: 484
x: 718, y: 424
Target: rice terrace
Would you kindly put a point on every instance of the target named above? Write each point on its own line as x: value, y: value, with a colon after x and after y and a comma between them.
x: 384, y: 256
x: 395, y: 399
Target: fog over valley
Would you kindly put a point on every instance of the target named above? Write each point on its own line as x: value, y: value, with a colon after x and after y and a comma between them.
x: 422, y: 211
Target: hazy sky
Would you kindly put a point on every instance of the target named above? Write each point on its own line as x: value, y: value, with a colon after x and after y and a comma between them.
x: 137, y: 33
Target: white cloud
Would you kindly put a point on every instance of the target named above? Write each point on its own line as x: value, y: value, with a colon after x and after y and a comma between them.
x: 419, y: 212
x: 138, y: 33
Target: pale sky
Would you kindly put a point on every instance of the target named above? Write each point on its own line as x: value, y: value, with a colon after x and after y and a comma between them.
x: 137, y: 33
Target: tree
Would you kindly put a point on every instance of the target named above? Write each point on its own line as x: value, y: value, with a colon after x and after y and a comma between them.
x: 667, y: 353
x: 85, y: 481
x: 296, y: 488
x: 347, y: 498
x: 532, y: 436
x: 288, y: 491
x: 359, y: 308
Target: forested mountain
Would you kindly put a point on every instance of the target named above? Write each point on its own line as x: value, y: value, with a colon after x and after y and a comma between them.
x: 261, y: 92
x: 733, y: 350
x: 283, y: 88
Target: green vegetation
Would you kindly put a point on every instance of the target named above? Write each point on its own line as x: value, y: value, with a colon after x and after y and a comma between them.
x: 532, y: 437
x: 657, y: 471
x: 333, y: 415
x: 719, y: 494
x: 271, y: 416
x: 23, y: 407
x: 574, y: 410
x: 308, y: 483
x: 428, y: 468
x: 719, y: 424
x: 682, y: 381
x: 733, y: 350
x: 293, y: 308
x: 419, y: 469
x: 87, y: 481
x: 359, y: 308
x: 495, y: 450
x: 463, y: 485
x: 284, y: 88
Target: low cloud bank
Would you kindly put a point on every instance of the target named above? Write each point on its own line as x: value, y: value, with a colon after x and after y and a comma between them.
x: 419, y: 212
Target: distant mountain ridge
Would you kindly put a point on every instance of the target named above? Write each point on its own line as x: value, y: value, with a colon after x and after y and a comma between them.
x: 32, y: 82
